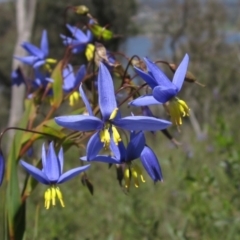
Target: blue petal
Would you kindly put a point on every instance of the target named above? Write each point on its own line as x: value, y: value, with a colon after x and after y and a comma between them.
x: 94, y: 146
x: 33, y: 50
x: 35, y: 172
x: 158, y: 75
x: 61, y: 159
x: 89, y: 36
x: 102, y: 158
x: 85, y: 100
x: 80, y: 122
x: 151, y: 164
x: 44, y: 44
x: 68, y: 78
x: 80, y: 75
x: 142, y: 123
x: 146, y: 77
x: 38, y: 64
x: 106, y: 98
x: 144, y: 101
x: 115, y: 149
x: 30, y: 60
x: 77, y: 33
x: 135, y: 146
x: 72, y: 173
x: 17, y: 77
x: 44, y: 158
x: 163, y: 94
x: 180, y: 74
x: 2, y: 167
x: 52, y: 168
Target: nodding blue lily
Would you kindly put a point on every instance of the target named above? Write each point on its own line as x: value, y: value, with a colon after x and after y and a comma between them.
x: 2, y: 167
x: 17, y: 77
x: 150, y: 163
x: 79, y: 40
x: 163, y: 90
x: 72, y: 81
x: 122, y: 155
x: 52, y: 174
x: 37, y: 56
x: 107, y: 126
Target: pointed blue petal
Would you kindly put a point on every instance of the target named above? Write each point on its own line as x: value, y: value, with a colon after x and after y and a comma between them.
x: 89, y: 36
x: 142, y: 123
x: 38, y: 64
x: 94, y: 146
x: 180, y: 74
x: 146, y: 77
x: 115, y: 149
x: 2, y: 167
x: 72, y: 173
x: 68, y: 78
x: 52, y: 168
x: 77, y: 33
x: 144, y: 100
x: 102, y: 158
x: 135, y: 146
x: 163, y: 94
x: 44, y: 158
x: 44, y: 44
x: 33, y: 50
x: 61, y: 159
x: 158, y: 74
x: 151, y: 164
x: 80, y: 75
x: 106, y: 99
x: 35, y: 173
x: 85, y: 100
x: 80, y: 122
x: 30, y: 60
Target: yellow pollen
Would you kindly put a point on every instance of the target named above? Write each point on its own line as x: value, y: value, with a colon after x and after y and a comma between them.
x: 89, y: 52
x: 177, y: 109
x: 113, y: 114
x: 73, y: 98
x: 116, y: 135
x: 135, y: 172
x: 105, y: 137
x: 50, y: 197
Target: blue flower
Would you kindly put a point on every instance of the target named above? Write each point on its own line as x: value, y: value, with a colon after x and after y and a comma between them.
x: 72, y: 81
x: 2, y: 167
x: 163, y: 90
x: 150, y: 163
x: 52, y: 174
x: 122, y: 155
x: 37, y: 56
x: 106, y: 127
x: 79, y: 39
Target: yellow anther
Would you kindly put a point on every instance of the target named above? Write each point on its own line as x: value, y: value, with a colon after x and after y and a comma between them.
x: 89, y: 52
x: 73, y: 98
x: 113, y: 114
x: 50, y: 197
x: 127, y: 177
x: 177, y: 109
x: 51, y: 60
x: 105, y: 137
x: 59, y: 195
x: 53, y: 196
x: 116, y: 135
x: 135, y: 172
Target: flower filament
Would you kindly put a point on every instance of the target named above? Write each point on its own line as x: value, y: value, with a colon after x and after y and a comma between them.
x: 50, y: 197
x: 133, y: 171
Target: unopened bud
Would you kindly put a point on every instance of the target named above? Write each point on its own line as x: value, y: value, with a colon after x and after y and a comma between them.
x: 81, y: 10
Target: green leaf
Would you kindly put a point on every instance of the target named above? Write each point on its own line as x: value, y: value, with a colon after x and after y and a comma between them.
x: 57, y: 85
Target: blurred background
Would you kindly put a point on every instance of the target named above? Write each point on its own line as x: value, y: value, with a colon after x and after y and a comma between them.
x: 200, y: 195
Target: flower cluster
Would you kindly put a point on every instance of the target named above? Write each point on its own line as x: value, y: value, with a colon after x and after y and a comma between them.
x: 98, y: 117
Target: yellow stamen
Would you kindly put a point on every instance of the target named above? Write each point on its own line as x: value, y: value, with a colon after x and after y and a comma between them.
x: 116, y: 135
x: 105, y: 137
x: 48, y: 63
x: 50, y: 197
x: 73, y: 98
x: 89, y: 52
x: 113, y: 114
x: 127, y: 177
x: 177, y: 109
